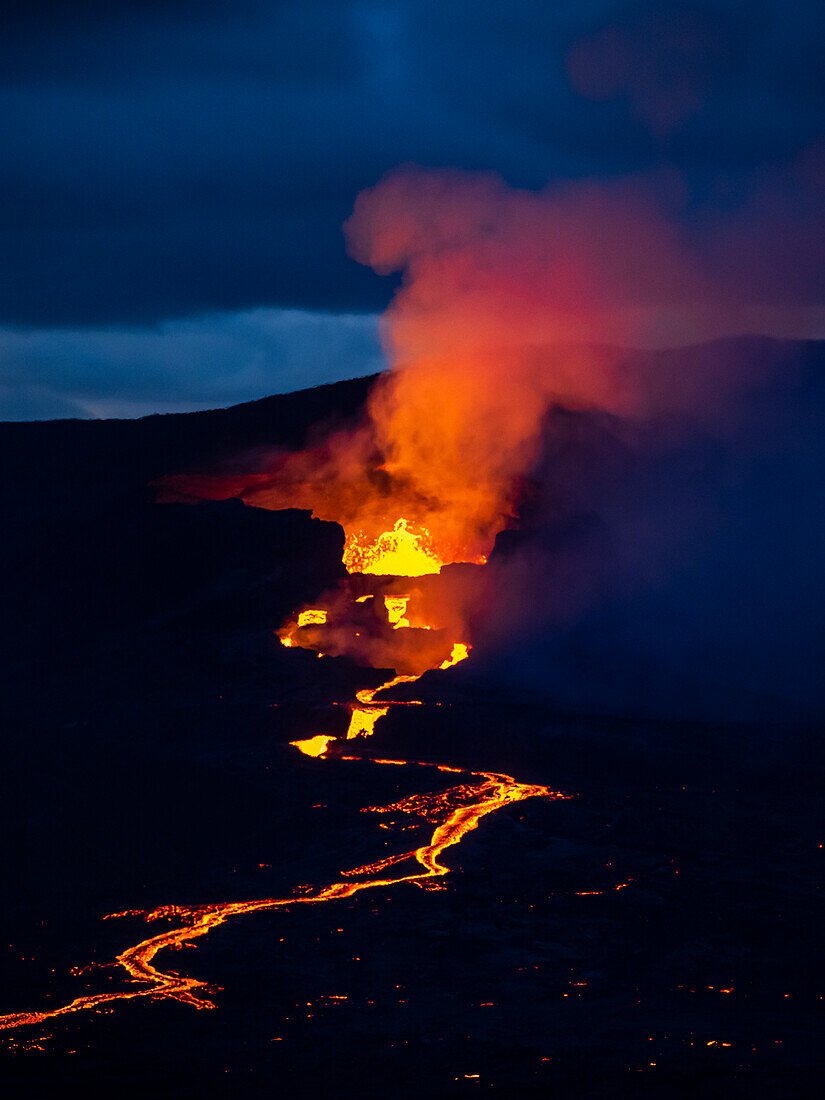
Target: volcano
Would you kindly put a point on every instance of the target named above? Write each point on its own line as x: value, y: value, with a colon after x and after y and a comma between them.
x: 342, y: 807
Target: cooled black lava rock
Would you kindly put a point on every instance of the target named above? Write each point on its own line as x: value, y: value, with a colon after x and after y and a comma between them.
x: 160, y: 596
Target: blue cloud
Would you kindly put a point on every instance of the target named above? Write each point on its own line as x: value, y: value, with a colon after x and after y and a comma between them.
x: 177, y: 366
x: 164, y: 160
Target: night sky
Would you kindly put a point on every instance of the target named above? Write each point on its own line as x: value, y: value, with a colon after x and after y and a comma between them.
x: 175, y: 175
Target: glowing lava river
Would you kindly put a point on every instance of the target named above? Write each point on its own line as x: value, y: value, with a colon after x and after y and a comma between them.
x: 453, y: 813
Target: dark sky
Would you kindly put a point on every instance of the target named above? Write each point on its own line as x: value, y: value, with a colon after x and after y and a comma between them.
x: 175, y: 175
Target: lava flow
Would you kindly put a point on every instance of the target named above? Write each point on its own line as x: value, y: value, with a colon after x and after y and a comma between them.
x: 453, y: 813
x: 401, y: 552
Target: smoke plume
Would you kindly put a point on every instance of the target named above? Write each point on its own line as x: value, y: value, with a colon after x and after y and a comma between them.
x: 526, y: 386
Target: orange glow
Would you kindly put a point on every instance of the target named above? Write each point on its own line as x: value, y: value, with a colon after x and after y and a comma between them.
x: 367, y: 695
x: 454, y: 813
x: 313, y: 746
x: 509, y: 305
x: 481, y: 338
x: 396, y: 610
x: 362, y: 722
x: 311, y: 617
x: 460, y: 653
x: 401, y: 552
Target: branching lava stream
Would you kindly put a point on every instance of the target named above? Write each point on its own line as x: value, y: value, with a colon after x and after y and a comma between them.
x: 453, y: 812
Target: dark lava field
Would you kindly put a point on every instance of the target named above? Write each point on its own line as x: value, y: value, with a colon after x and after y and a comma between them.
x: 658, y: 933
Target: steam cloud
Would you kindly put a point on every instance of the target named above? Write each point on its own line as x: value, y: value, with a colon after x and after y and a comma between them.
x: 650, y: 556
x: 513, y: 302
x: 514, y: 389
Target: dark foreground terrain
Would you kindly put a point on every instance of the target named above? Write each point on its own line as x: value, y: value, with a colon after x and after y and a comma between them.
x: 658, y: 934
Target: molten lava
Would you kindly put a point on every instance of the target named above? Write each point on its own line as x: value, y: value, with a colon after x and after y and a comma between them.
x: 362, y: 721
x: 401, y: 552
x: 482, y: 336
x: 364, y: 717
x: 453, y: 813
x: 311, y: 617
x: 460, y: 652
x: 396, y: 610
x: 313, y: 746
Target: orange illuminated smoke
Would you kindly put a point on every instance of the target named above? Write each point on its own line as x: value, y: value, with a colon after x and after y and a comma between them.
x: 311, y: 616
x: 401, y: 552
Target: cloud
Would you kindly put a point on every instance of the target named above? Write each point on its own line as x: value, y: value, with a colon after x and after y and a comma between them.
x: 180, y: 365
x: 165, y: 160
x: 625, y: 262
x: 676, y: 574
x: 664, y: 61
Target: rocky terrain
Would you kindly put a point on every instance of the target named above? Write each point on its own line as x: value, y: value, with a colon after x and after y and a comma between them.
x: 658, y: 934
